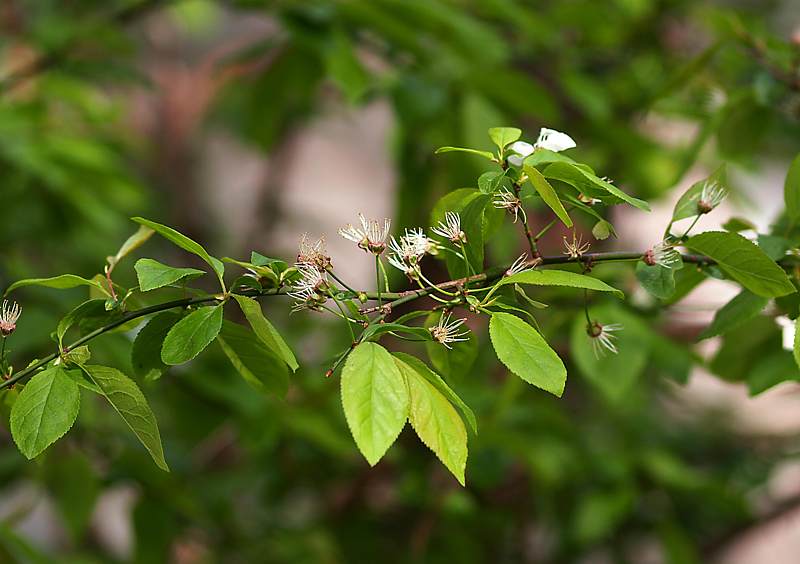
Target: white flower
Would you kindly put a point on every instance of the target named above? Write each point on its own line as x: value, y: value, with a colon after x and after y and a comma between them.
x: 508, y: 201
x: 309, y: 290
x: 9, y: 314
x: 711, y: 196
x: 663, y: 254
x: 446, y: 331
x: 422, y: 244
x: 602, y: 337
x: 372, y: 235
x: 576, y: 248
x: 521, y: 149
x: 450, y: 228
x: 313, y: 252
x: 549, y: 139
x: 553, y: 140
x: 522, y: 264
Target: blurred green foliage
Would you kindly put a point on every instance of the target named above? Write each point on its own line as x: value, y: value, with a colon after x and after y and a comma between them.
x: 258, y: 479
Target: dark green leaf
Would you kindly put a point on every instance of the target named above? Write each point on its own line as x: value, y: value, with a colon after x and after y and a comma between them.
x: 256, y: 363
x: 265, y: 330
x: 743, y: 307
x: 146, y: 350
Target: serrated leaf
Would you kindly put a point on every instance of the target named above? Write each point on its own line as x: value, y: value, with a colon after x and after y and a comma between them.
x: 189, y: 336
x: 744, y: 262
x: 602, y: 230
x: 525, y: 352
x: 44, y: 411
x: 265, y: 330
x: 128, y: 400
x: 256, y: 363
x: 559, y: 278
x: 740, y: 309
x: 502, y: 136
x: 548, y: 194
x: 791, y: 189
x: 492, y: 181
x: 375, y: 399
x: 484, y: 154
x: 146, y: 350
x: 62, y: 282
x: 186, y: 244
x: 438, y: 382
x: 153, y: 274
x: 656, y: 279
x: 591, y: 185
x: 686, y: 206
x: 436, y: 421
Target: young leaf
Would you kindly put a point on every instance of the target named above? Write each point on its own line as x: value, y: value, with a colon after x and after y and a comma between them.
x: 375, y: 399
x: 686, y: 206
x: 131, y: 244
x: 484, y: 154
x: 559, y: 278
x: 186, y: 244
x: 44, y: 411
x: 437, y: 382
x: 146, y: 350
x: 523, y: 350
x: 152, y: 274
x: 743, y: 307
x: 502, y: 136
x: 656, y: 279
x: 129, y: 401
x: 436, y: 422
x: 61, y: 282
x: 257, y: 364
x: 189, y: 336
x: 744, y: 262
x: 791, y: 190
x: 265, y: 330
x: 548, y: 194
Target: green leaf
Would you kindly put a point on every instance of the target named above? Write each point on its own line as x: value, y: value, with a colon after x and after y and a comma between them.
x: 791, y: 190
x: 602, y: 230
x: 61, y: 282
x: 744, y: 262
x: 189, y: 336
x: 265, y: 330
x: 741, y: 308
x: 438, y: 382
x: 737, y: 224
x: 186, y: 244
x: 131, y: 244
x: 128, y: 400
x: 146, y: 350
x: 656, y: 279
x: 796, y: 349
x: 455, y: 363
x: 382, y: 328
x: 44, y: 411
x: 491, y: 182
x: 152, y: 274
x: 548, y: 194
x: 523, y: 350
x: 686, y: 206
x: 484, y: 154
x: 559, y: 278
x: 502, y: 136
x: 436, y: 421
x: 375, y: 399
x: 256, y: 363
x: 772, y: 370
x: 344, y: 67
x: 470, y: 206
x: 90, y: 308
x: 590, y: 185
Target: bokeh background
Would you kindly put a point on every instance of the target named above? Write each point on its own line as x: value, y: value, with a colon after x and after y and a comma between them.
x: 246, y: 123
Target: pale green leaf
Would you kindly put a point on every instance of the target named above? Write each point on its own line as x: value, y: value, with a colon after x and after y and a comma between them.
x: 265, y: 330
x: 436, y: 421
x: 129, y: 401
x: 502, y: 136
x: 744, y: 262
x: 152, y: 274
x: 131, y: 244
x: 61, y: 282
x: 484, y: 154
x: 189, y: 336
x: 44, y: 411
x: 375, y: 399
x: 559, y: 278
x: 186, y: 244
x: 548, y: 194
x: 525, y: 352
